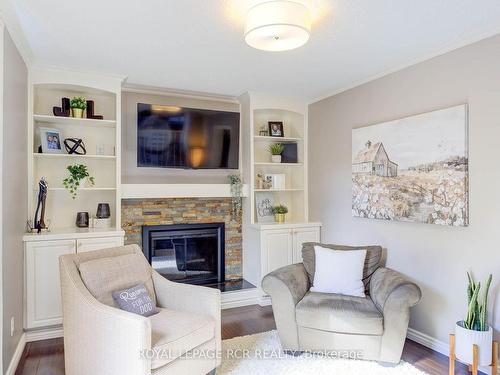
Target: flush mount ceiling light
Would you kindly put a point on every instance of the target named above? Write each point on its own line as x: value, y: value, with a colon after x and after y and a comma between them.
x: 278, y: 25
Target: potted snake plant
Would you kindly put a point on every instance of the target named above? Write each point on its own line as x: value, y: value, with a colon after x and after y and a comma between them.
x: 474, y: 329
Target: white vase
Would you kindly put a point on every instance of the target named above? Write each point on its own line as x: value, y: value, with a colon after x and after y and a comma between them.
x: 466, y: 338
x: 276, y: 158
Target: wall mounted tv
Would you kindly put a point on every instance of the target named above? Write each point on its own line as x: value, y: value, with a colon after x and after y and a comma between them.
x: 189, y: 138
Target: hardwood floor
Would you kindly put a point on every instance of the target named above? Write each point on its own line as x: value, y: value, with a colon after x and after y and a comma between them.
x: 47, y: 357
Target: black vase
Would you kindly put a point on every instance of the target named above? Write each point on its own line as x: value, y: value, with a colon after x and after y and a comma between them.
x: 82, y: 219
x: 103, y: 211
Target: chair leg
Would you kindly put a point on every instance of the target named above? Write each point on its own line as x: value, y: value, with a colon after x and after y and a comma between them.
x: 452, y: 355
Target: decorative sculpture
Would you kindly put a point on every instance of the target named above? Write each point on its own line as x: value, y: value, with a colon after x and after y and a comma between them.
x: 75, y: 146
x: 90, y: 111
x: 64, y: 110
x: 43, y: 187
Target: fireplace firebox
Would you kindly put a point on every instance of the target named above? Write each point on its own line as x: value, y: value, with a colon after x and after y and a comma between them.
x: 187, y: 253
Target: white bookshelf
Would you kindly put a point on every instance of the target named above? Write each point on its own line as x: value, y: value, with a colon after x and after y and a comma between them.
x: 101, y: 138
x: 269, y: 245
x: 293, y: 195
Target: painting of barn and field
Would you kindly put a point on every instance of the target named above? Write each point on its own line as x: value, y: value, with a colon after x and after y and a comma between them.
x: 413, y: 169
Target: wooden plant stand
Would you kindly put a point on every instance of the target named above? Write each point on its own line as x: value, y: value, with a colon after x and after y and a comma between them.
x: 473, y: 368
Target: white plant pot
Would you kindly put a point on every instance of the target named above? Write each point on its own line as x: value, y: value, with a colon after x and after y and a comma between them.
x: 276, y: 158
x: 466, y: 338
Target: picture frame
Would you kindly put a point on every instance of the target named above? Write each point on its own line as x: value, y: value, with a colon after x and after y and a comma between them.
x: 264, y: 203
x: 51, y: 140
x: 276, y: 129
x: 276, y: 181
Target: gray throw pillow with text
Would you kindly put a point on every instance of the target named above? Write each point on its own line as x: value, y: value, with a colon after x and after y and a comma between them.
x: 135, y: 300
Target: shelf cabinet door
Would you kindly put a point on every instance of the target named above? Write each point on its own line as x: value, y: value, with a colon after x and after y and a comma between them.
x: 300, y: 236
x: 43, y: 288
x: 277, y: 249
x: 91, y: 244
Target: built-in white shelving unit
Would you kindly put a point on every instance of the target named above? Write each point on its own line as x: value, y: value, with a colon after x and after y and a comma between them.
x: 269, y: 245
x: 101, y: 138
x: 257, y: 113
x: 42, y: 294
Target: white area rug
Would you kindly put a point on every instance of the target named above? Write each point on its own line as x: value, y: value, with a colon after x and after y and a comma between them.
x: 267, y: 343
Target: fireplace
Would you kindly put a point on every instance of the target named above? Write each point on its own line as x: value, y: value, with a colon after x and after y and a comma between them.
x: 187, y: 253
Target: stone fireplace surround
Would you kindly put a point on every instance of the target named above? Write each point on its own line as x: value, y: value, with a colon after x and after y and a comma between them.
x: 164, y: 211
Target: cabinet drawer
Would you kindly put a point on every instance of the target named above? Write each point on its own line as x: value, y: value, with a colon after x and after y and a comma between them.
x: 91, y: 244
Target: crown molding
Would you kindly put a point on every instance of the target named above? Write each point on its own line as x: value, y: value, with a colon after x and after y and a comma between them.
x: 152, y: 90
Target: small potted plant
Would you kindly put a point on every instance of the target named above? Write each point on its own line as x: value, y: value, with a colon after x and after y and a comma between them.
x: 276, y: 149
x: 77, y: 173
x: 474, y: 330
x: 280, y: 212
x: 78, y: 104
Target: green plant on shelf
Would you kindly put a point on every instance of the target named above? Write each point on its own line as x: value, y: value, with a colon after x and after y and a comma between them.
x: 77, y: 173
x: 78, y: 102
x: 276, y: 149
x: 280, y: 209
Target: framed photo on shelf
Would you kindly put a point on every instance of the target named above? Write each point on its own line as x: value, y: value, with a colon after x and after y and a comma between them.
x: 264, y: 203
x: 276, y: 181
x: 276, y: 129
x: 51, y: 141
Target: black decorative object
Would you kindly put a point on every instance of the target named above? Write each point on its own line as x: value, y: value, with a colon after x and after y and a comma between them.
x: 103, y: 211
x: 75, y: 146
x: 40, y: 208
x: 82, y: 219
x: 90, y: 111
x: 276, y: 129
x: 289, y: 154
x: 64, y: 110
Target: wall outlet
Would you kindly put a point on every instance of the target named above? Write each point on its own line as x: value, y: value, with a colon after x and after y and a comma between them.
x: 12, y: 326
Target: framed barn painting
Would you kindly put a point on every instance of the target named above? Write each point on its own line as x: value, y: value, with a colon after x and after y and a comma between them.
x: 413, y: 169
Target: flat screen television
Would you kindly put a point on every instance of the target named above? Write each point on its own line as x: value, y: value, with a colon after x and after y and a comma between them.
x: 189, y: 138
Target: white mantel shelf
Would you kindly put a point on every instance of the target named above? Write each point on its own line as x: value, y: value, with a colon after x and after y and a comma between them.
x: 138, y: 191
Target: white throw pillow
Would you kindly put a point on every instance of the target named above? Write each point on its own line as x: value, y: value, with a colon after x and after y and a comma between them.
x: 339, y: 271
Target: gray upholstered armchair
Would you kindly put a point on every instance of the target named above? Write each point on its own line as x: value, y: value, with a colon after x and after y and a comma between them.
x: 374, y: 326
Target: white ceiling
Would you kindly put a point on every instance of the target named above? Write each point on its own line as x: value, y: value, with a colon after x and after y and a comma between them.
x: 198, y: 45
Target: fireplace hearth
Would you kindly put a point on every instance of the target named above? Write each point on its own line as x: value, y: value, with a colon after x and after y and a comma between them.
x: 187, y: 253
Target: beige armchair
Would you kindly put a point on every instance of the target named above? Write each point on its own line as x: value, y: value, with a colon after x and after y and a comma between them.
x: 372, y: 328
x: 183, y: 338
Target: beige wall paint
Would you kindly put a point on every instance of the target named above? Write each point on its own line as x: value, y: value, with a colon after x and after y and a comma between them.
x: 436, y: 257
x: 14, y: 176
x: 133, y: 175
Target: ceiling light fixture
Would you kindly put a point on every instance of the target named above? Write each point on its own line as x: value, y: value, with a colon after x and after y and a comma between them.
x: 278, y: 25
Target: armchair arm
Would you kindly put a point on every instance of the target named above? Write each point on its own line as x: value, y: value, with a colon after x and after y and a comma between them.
x: 387, y: 284
x: 192, y: 298
x: 286, y: 286
x: 393, y: 295
x: 99, y: 338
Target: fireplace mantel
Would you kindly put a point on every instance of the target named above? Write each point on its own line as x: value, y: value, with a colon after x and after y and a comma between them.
x: 134, y: 191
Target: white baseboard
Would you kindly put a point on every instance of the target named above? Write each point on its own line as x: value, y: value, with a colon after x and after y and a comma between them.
x: 11, y: 370
x: 44, y: 334
x: 436, y: 345
x: 239, y: 298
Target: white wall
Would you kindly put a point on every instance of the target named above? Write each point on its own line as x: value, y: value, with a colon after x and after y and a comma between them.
x: 131, y: 174
x: 436, y: 257
x: 14, y: 185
